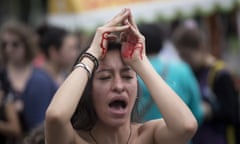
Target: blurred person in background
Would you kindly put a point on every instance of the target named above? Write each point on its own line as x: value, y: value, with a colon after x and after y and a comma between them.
x: 168, y: 51
x: 60, y: 49
x: 31, y: 87
x: 219, y: 95
x: 10, y: 129
x: 176, y: 73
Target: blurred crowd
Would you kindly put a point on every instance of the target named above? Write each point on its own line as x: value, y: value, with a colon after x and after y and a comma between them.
x: 33, y: 64
x: 35, y: 61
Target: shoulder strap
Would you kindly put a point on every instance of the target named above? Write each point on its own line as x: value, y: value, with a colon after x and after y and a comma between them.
x: 220, y: 65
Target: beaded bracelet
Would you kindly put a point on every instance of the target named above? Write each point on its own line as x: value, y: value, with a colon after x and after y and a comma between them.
x: 91, y: 57
x: 82, y: 65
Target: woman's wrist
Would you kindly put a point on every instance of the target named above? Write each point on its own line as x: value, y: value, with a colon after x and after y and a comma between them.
x: 139, y: 65
x: 88, y: 62
x: 95, y: 53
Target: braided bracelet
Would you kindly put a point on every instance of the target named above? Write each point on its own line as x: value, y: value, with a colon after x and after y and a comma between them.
x: 82, y: 65
x: 91, y: 57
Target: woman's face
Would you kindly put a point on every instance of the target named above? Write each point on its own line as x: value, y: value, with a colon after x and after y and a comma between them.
x: 13, y: 48
x: 114, y: 90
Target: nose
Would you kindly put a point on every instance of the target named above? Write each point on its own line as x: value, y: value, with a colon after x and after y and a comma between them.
x: 118, y: 85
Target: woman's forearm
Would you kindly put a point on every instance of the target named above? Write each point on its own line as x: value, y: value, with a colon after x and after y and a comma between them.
x: 8, y: 129
x: 11, y: 127
x: 68, y: 95
x: 175, y: 113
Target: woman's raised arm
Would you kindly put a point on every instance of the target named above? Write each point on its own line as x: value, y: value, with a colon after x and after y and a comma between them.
x: 58, y: 127
x: 178, y: 124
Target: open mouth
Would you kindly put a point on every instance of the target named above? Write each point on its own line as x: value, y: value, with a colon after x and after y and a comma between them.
x: 117, y: 104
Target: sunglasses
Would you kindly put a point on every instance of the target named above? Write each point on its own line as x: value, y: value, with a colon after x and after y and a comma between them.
x: 13, y: 44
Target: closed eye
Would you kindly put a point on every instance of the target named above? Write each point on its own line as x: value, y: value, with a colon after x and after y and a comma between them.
x: 127, y: 77
x: 105, y: 78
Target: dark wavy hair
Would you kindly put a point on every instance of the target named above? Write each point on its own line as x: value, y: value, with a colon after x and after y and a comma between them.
x: 188, y: 38
x: 154, y: 36
x: 51, y: 36
x: 25, y: 34
x: 85, y: 117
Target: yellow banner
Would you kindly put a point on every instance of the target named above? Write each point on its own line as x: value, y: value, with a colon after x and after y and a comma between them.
x: 76, y: 6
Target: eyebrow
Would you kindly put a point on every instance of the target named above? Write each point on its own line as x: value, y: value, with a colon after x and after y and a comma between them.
x: 127, y: 68
x: 104, y: 70
x: 124, y: 69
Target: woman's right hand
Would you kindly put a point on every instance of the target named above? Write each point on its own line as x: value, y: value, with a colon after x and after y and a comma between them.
x: 104, y: 33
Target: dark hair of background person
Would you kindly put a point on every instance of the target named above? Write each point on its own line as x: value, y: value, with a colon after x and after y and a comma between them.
x: 4, y: 83
x: 25, y: 34
x: 50, y: 36
x: 154, y: 37
x: 188, y: 38
x: 84, y: 118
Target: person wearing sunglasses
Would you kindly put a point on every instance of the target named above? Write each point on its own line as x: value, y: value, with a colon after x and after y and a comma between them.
x: 31, y: 87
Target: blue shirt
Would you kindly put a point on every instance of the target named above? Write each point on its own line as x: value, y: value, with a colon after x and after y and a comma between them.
x: 180, y: 78
x: 35, y: 98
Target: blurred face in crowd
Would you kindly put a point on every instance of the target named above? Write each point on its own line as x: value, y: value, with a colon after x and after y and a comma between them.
x: 194, y: 57
x: 69, y: 51
x: 13, y: 48
x: 114, y: 90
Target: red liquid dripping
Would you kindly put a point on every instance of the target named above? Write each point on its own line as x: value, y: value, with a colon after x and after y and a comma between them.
x: 130, y: 47
x: 104, y: 37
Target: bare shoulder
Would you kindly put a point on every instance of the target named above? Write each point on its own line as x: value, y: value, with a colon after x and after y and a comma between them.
x: 144, y: 132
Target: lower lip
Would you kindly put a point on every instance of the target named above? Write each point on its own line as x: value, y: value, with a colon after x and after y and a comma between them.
x: 118, y: 112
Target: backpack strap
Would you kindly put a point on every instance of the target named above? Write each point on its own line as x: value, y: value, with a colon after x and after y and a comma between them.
x: 219, y: 65
x: 230, y: 134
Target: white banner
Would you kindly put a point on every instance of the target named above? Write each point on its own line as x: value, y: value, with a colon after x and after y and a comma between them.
x: 87, y: 14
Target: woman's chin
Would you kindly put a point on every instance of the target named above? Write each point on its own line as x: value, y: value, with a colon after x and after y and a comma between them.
x: 116, y: 122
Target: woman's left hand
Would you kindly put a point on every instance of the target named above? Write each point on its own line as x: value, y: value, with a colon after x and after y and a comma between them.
x: 133, y: 43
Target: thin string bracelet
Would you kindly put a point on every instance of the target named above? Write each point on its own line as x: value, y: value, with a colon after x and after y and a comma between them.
x: 91, y: 57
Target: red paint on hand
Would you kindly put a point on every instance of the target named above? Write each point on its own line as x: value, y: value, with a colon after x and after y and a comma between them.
x: 130, y: 47
x: 104, y: 37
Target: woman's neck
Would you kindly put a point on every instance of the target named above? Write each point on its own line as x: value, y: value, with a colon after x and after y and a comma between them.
x: 54, y: 71
x: 18, y: 67
x: 52, y: 67
x: 19, y: 75
x: 111, y: 135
